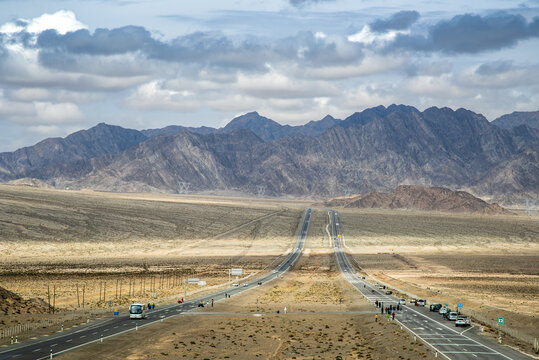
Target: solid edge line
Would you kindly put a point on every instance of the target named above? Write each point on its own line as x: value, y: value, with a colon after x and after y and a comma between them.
x: 172, y: 316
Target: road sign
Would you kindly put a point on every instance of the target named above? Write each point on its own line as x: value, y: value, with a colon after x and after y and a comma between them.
x: 193, y: 280
x: 236, y: 272
x: 459, y: 305
x: 500, y: 320
x: 202, y: 283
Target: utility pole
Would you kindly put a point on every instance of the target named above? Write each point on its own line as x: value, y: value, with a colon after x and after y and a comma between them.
x: 184, y: 290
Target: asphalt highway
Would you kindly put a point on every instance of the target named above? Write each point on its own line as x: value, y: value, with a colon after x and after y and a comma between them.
x: 101, y: 330
x: 441, y: 335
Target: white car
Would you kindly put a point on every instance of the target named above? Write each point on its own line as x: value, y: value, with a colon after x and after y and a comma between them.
x: 421, y: 302
x: 402, y: 301
x: 245, y: 285
x: 452, y: 316
x: 462, y: 321
x: 235, y: 284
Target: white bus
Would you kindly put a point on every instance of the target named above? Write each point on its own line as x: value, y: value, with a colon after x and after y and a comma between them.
x: 137, y: 311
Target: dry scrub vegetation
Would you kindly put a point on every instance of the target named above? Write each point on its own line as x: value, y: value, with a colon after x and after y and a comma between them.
x: 248, y: 327
x: 488, y: 263
x: 126, y: 247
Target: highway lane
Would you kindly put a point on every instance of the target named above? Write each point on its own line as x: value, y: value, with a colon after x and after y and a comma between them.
x: 430, y: 327
x: 83, y: 335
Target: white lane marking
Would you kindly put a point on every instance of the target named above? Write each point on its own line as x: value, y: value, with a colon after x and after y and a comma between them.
x: 68, y: 340
x: 53, y: 345
x: 115, y: 327
x: 475, y: 352
x: 36, y: 350
x: 467, y: 329
x: 83, y: 336
x: 457, y: 345
x: 464, y: 336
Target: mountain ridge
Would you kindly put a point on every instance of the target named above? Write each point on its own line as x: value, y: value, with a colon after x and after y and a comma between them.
x: 375, y: 150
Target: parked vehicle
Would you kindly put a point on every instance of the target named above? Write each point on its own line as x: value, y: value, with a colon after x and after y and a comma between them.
x: 137, y: 311
x: 389, y: 292
x: 435, y: 307
x: 443, y: 310
x: 413, y: 301
x: 402, y: 301
x: 462, y: 321
x: 452, y: 316
x: 235, y: 284
x: 245, y: 285
x: 421, y: 302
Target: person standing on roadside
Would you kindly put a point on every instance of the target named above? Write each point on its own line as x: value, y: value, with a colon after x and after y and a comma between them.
x: 393, y: 315
x: 376, y: 318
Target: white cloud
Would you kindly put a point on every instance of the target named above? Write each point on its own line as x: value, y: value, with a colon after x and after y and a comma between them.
x: 62, y: 21
x: 61, y: 113
x: 368, y: 37
x: 155, y: 95
x: 30, y: 94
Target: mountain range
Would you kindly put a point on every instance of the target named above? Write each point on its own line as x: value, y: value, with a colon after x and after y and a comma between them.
x: 373, y: 150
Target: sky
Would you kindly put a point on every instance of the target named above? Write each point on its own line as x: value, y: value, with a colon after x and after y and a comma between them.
x: 68, y: 65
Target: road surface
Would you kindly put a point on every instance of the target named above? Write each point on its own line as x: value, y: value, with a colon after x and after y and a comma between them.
x: 62, y: 342
x: 449, y: 341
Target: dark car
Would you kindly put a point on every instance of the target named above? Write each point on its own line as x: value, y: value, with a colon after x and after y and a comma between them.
x: 435, y: 307
x: 389, y: 292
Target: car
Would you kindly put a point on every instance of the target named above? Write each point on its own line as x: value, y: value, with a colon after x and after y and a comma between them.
x: 452, y: 316
x: 376, y: 284
x: 462, y: 321
x: 389, y: 292
x: 235, y: 284
x: 435, y: 307
x: 245, y: 285
x: 443, y: 310
x: 381, y: 287
x: 421, y: 302
x: 413, y: 301
x: 402, y: 301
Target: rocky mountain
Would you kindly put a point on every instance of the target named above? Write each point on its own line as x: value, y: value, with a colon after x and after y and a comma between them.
x: 413, y: 197
x: 174, y: 129
x: 374, y: 150
x: 517, y: 118
x: 266, y: 129
x: 100, y: 140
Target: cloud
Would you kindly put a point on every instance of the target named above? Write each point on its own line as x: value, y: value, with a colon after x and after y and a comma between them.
x: 50, y: 113
x: 101, y: 42
x: 471, y: 34
x: 399, y: 21
x: 62, y: 21
x: 305, y: 3
x: 494, y: 68
x: 211, y: 50
x: 39, y: 112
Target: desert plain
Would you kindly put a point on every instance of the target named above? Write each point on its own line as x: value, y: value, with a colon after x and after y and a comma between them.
x: 90, y: 252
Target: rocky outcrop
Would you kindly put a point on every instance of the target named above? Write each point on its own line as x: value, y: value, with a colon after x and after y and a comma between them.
x: 412, y: 197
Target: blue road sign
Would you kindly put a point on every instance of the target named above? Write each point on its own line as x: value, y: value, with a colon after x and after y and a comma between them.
x: 459, y: 305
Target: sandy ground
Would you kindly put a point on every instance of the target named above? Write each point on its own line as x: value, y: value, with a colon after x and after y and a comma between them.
x: 151, y: 243
x: 488, y: 263
x: 317, y: 325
